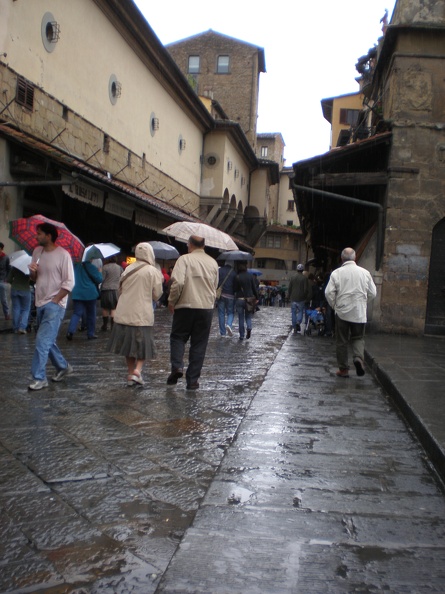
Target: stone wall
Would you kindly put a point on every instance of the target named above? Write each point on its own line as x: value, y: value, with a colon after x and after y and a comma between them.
x: 237, y: 91
x: 412, y: 96
x: 415, y: 204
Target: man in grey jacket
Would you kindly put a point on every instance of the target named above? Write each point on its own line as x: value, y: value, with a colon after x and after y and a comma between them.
x: 191, y: 300
x: 299, y: 293
x: 348, y: 291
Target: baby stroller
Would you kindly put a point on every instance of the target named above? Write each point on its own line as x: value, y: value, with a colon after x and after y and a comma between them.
x: 315, y: 322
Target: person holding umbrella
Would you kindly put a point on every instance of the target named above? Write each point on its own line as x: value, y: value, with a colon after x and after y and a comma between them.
x: 191, y: 301
x: 226, y: 301
x: 85, y: 294
x: 52, y: 271
x: 246, y: 295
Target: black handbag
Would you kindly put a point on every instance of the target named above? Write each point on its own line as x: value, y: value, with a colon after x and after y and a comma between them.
x: 250, y: 304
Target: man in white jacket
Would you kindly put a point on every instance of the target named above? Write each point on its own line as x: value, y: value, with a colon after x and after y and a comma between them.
x: 348, y: 291
x: 194, y: 281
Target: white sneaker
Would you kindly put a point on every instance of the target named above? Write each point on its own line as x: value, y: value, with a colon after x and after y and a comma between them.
x: 229, y: 331
x: 137, y: 379
x: 38, y: 384
x: 62, y: 373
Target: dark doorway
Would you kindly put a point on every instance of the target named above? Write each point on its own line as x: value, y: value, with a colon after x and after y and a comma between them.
x: 435, y: 310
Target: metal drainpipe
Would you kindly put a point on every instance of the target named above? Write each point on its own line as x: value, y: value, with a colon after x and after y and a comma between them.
x: 379, y: 238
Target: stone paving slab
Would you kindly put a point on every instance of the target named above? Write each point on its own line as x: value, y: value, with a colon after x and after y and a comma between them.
x: 412, y: 371
x: 100, y: 481
x: 323, y: 490
x: 275, y: 476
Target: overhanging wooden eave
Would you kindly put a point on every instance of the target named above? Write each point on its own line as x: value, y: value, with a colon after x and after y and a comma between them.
x: 365, y: 178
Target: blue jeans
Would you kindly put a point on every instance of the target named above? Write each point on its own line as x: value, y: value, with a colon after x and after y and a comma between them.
x: 297, y: 311
x: 243, y: 316
x: 81, y: 308
x: 226, y: 305
x: 49, y: 318
x: 4, y: 298
x: 21, y: 306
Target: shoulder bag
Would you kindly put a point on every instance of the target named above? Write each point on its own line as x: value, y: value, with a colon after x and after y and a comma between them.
x: 249, y: 303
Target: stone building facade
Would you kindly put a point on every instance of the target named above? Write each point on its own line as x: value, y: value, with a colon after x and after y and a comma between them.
x: 226, y: 70
x: 385, y: 194
x: 409, y: 76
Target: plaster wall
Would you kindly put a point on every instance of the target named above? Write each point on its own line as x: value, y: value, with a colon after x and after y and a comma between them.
x: 228, y: 173
x: 259, y: 192
x: 77, y: 73
x: 285, y: 196
x: 353, y: 101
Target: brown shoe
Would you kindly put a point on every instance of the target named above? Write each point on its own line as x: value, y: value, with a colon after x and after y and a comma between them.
x: 359, y: 366
x: 342, y: 373
x: 193, y: 386
x: 174, y: 376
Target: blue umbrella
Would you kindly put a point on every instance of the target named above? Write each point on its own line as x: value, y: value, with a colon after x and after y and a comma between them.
x: 255, y: 271
x: 164, y: 251
x: 234, y: 255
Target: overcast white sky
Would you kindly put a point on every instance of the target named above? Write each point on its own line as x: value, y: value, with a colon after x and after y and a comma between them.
x: 311, y: 48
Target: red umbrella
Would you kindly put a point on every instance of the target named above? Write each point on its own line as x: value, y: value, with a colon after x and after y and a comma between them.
x: 24, y: 232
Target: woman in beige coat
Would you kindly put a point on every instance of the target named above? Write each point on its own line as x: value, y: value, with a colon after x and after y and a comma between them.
x: 132, y: 334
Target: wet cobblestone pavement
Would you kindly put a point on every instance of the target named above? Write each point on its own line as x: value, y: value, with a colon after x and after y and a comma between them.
x: 273, y: 477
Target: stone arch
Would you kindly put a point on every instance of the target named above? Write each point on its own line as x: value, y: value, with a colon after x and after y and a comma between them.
x: 435, y: 308
x: 251, y: 212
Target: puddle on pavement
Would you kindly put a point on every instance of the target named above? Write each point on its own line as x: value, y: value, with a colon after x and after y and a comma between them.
x: 368, y: 555
x: 178, y: 427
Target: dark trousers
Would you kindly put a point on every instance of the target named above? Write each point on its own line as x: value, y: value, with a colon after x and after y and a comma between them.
x: 345, y: 333
x: 193, y: 324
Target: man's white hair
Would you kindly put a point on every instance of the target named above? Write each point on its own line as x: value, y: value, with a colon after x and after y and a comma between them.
x: 348, y: 254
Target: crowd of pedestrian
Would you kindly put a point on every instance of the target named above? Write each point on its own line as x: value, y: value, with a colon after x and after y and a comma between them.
x: 191, y: 289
